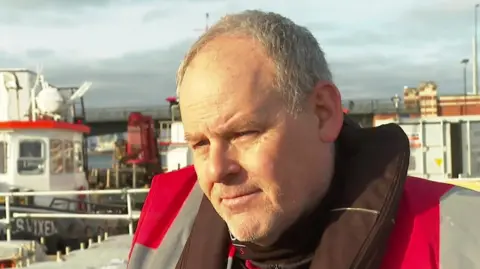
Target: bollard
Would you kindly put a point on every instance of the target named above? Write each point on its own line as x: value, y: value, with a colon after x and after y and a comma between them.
x: 90, y: 242
x: 28, y: 262
x: 59, y: 256
x: 67, y: 250
x: 99, y: 239
x: 105, y: 235
x: 82, y: 246
x: 42, y: 240
x: 33, y: 245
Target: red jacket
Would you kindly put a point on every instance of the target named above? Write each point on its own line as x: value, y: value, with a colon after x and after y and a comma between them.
x: 434, y: 226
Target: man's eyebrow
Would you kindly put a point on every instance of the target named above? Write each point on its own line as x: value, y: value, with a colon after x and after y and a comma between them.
x: 238, y: 125
x: 241, y: 124
x: 189, y: 137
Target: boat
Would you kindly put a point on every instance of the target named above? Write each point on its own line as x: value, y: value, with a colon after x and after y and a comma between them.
x: 43, y: 148
x: 174, y: 150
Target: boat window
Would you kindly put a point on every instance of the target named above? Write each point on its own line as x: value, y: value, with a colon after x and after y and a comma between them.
x: 78, y: 157
x: 31, y: 160
x: 56, y: 156
x: 3, y: 157
x: 69, y: 156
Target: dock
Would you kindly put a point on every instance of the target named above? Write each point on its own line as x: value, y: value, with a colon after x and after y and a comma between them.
x: 111, y: 252
x: 21, y: 253
x: 125, y: 177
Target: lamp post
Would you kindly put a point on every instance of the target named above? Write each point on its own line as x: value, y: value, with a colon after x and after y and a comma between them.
x: 475, y: 50
x: 396, y: 103
x: 465, y: 63
x: 207, y: 25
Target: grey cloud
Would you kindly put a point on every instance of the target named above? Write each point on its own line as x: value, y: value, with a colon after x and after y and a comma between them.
x: 28, y: 5
x: 380, y: 61
x: 147, y: 78
x: 322, y: 27
x: 40, y: 19
x: 42, y: 13
x: 134, y: 79
x: 444, y: 21
x: 439, y: 21
x: 378, y: 77
x: 39, y: 53
x: 12, y: 62
x: 154, y: 15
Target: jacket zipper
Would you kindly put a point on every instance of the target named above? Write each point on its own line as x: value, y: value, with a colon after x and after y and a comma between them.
x: 367, y: 248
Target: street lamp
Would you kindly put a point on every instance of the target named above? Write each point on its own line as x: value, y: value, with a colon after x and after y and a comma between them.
x: 465, y: 63
x: 475, y: 50
x: 207, y: 26
x: 396, y: 103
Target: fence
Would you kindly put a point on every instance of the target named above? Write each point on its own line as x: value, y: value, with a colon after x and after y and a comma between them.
x: 122, y: 113
x: 129, y: 216
x: 372, y: 106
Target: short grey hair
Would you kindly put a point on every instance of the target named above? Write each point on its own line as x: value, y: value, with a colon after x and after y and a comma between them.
x: 299, y: 60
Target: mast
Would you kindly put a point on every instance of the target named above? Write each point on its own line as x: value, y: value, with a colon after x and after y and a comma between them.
x: 207, y: 25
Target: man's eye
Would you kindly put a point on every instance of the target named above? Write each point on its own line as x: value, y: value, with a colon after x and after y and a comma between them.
x: 245, y: 133
x: 200, y: 144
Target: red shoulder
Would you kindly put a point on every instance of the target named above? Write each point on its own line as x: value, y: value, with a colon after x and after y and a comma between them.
x: 414, y: 241
x: 422, y: 194
x: 164, y: 200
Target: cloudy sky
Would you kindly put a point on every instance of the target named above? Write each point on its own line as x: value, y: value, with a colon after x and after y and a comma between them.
x: 131, y: 49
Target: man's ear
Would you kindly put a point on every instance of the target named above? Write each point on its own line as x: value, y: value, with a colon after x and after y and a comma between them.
x: 326, y: 102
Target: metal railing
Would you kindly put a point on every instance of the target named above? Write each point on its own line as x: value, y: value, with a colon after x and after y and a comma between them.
x: 9, y: 217
x: 121, y: 113
x: 163, y: 112
x: 372, y: 106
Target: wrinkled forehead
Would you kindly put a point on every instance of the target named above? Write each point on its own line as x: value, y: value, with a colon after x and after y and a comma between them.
x: 227, y: 77
x: 228, y: 60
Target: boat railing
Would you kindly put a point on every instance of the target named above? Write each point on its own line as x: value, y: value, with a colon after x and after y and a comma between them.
x: 97, y: 208
x: 130, y: 215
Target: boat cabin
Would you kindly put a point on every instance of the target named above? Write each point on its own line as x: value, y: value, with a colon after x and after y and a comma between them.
x: 42, y: 155
x: 174, y: 150
x: 42, y: 147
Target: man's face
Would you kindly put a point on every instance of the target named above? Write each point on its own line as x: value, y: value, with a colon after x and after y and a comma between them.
x: 260, y: 167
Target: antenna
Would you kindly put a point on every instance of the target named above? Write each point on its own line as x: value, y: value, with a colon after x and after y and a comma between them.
x: 207, y: 26
x: 207, y: 17
x: 80, y: 92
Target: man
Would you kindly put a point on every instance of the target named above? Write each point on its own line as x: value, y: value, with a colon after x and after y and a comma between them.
x: 282, y: 178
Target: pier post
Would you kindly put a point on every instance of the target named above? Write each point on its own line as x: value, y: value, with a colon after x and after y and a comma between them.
x: 129, y: 211
x: 7, y: 218
x: 117, y: 176
x: 134, y: 179
x: 108, y: 178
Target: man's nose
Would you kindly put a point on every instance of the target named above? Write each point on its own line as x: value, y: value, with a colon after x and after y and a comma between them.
x: 221, y: 163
